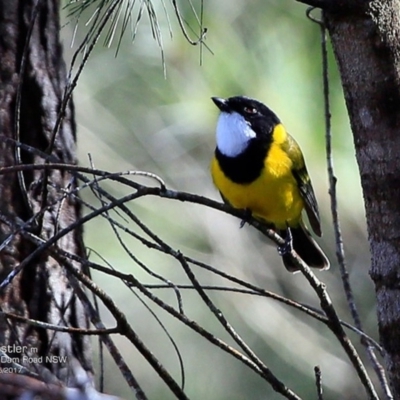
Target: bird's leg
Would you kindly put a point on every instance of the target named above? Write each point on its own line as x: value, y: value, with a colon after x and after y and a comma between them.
x: 246, y: 218
x: 287, y: 247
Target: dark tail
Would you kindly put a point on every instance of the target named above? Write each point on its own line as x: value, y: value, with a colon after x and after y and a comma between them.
x: 307, y: 248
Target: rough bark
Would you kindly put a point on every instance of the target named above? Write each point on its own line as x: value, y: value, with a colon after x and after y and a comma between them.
x: 42, y: 290
x: 366, y: 43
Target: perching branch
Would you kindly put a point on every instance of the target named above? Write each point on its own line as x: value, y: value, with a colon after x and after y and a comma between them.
x: 140, y: 191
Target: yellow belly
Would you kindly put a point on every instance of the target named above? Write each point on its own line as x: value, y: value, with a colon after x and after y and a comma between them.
x: 274, y: 196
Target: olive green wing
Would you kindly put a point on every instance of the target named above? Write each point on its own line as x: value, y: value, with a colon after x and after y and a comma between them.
x: 303, y: 180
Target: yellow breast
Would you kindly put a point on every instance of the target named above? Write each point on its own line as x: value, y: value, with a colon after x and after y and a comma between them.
x: 274, y: 196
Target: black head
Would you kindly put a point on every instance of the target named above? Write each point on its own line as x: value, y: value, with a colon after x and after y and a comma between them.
x: 260, y: 118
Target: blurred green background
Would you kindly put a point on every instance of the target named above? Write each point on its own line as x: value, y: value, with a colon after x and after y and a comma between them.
x: 132, y: 117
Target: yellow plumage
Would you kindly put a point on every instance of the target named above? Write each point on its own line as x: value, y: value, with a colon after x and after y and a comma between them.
x: 259, y: 167
x: 274, y: 196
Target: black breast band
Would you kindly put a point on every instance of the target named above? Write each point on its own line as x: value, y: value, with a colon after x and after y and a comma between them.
x: 245, y: 167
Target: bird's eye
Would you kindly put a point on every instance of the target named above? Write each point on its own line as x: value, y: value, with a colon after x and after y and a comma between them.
x: 250, y: 110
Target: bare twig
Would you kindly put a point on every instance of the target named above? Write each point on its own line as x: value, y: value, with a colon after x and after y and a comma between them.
x: 183, y: 29
x: 253, y: 290
x: 140, y: 190
x: 180, y: 316
x: 126, y: 330
x: 144, y: 190
x: 311, y: 311
x: 185, y: 320
x: 108, y: 342
x: 336, y: 327
x: 58, y: 328
x: 340, y: 254
x: 318, y: 382
x: 150, y: 272
x: 276, y: 384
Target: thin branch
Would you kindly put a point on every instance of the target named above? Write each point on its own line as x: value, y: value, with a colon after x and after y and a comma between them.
x: 340, y: 254
x: 148, y: 191
x: 183, y: 29
x: 275, y: 383
x: 171, y: 310
x: 192, y: 324
x: 253, y: 290
x: 336, y: 327
x: 154, y: 191
x: 309, y: 310
x: 318, y: 382
x: 58, y: 328
x: 126, y: 330
x: 319, y: 288
x: 93, y: 314
x: 151, y: 273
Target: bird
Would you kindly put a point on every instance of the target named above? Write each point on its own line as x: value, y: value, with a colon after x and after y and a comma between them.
x: 258, y: 167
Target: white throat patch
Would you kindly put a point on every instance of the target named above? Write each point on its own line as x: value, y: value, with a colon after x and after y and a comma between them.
x: 233, y: 134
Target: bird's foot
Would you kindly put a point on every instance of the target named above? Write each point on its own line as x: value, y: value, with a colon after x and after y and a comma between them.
x: 287, y: 247
x: 246, y: 218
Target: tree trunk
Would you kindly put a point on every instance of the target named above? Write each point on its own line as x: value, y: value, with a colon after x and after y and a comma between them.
x: 32, y: 78
x: 366, y: 42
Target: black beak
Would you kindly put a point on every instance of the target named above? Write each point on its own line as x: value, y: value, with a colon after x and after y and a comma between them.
x: 222, y: 104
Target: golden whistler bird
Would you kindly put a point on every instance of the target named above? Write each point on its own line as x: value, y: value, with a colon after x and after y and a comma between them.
x: 259, y: 167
